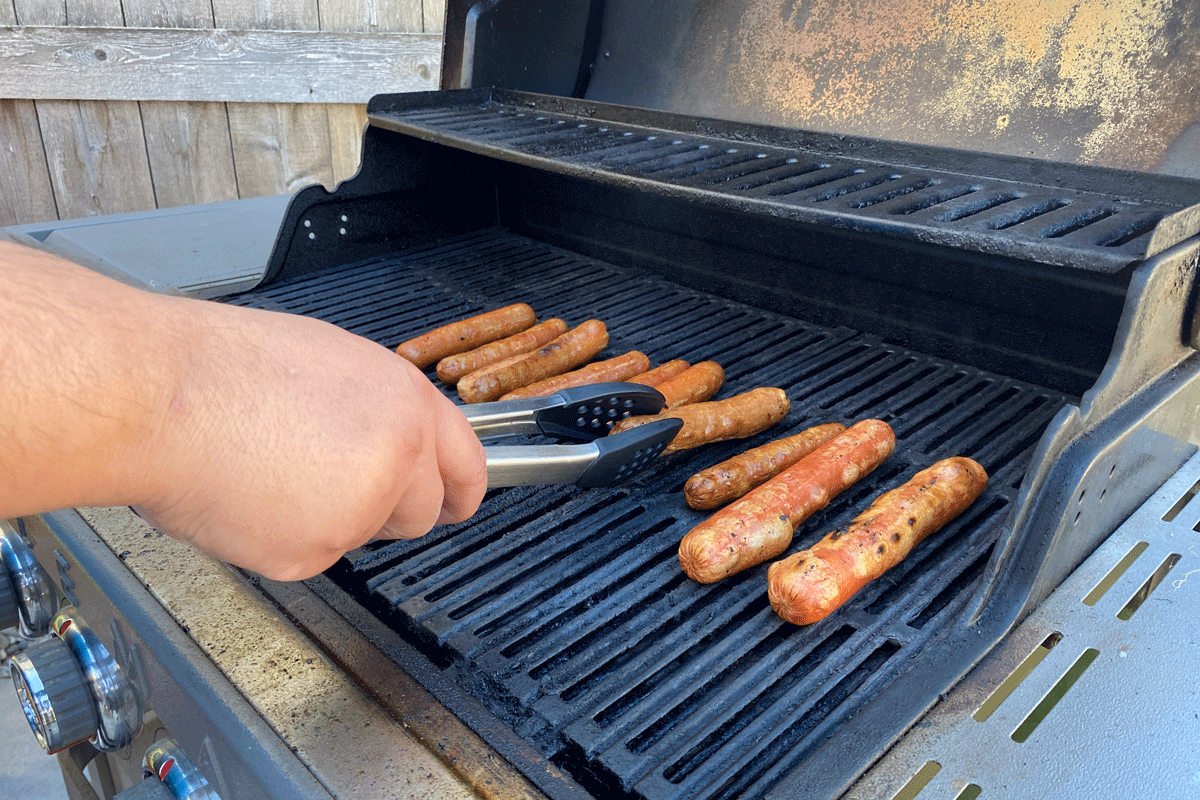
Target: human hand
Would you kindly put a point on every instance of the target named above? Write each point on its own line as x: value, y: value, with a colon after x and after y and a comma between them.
x: 289, y: 441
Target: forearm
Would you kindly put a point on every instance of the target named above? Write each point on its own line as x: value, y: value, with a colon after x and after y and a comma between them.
x: 272, y: 441
x: 88, y: 373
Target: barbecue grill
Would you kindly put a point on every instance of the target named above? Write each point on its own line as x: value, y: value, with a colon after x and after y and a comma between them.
x: 1036, y: 316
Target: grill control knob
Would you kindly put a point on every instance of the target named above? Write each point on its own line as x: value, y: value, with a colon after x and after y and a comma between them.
x: 170, y: 775
x: 72, y: 689
x: 29, y: 585
x: 54, y: 695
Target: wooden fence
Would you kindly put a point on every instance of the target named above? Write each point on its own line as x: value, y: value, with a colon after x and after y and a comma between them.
x: 108, y: 106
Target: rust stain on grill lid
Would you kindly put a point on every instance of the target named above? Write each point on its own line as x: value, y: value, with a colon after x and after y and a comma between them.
x: 1087, y: 81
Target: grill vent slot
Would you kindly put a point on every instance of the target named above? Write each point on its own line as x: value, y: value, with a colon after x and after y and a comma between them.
x: 777, y: 173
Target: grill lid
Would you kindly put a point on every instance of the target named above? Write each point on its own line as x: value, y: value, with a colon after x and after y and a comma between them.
x: 1086, y: 218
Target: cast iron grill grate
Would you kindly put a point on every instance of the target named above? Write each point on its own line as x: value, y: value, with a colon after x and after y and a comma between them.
x: 986, y: 206
x: 565, y: 612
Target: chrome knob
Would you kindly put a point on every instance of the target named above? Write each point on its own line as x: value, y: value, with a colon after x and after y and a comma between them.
x: 54, y: 695
x: 35, y: 599
x: 167, y: 761
x: 72, y: 689
x: 170, y: 775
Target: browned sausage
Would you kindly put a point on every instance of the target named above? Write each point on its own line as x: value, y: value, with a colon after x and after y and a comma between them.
x: 729, y: 480
x: 810, y: 585
x: 663, y: 372
x: 717, y: 420
x: 451, y: 368
x: 696, y: 383
x: 612, y: 369
x: 574, y: 348
x: 466, y: 334
x: 759, y: 526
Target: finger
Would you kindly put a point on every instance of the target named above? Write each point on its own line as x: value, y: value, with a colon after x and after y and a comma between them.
x: 462, y: 464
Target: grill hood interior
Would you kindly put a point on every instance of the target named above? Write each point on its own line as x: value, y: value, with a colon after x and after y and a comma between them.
x: 1083, y: 82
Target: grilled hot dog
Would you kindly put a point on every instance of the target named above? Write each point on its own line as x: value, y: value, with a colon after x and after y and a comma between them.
x: 570, y: 350
x: 612, y: 369
x: 729, y: 480
x: 661, y: 373
x: 451, y: 368
x: 695, y: 384
x: 466, y: 334
x: 715, y: 421
x: 760, y: 525
x: 808, y: 586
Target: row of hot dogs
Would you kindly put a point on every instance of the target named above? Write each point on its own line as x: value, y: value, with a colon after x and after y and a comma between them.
x: 762, y: 495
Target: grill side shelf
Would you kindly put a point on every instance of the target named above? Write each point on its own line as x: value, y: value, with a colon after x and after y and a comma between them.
x: 1078, y: 217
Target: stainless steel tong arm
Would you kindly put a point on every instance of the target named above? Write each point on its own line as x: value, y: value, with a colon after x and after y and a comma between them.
x: 533, y: 465
x: 583, y: 414
x: 513, y: 417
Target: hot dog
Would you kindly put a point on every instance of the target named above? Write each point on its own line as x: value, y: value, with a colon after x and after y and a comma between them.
x: 451, y: 368
x: 760, y: 525
x: 729, y: 480
x: 612, y: 369
x: 696, y: 383
x: 808, y: 586
x: 661, y: 373
x: 466, y: 334
x: 715, y: 421
x: 572, y: 349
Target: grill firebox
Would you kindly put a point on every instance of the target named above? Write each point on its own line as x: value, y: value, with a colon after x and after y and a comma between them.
x: 1049, y: 335
x: 565, y: 611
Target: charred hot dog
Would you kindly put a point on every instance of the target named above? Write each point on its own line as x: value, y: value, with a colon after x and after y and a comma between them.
x: 760, y: 525
x: 808, y: 586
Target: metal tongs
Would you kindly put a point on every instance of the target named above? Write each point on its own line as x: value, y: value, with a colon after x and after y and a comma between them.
x: 582, y: 414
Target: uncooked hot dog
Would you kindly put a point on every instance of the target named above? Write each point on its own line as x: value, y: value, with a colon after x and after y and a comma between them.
x: 808, y: 586
x: 760, y: 526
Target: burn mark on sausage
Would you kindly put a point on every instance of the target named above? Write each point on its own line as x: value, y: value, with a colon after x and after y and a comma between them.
x: 881, y: 549
x: 896, y: 536
x: 912, y: 521
x: 837, y: 534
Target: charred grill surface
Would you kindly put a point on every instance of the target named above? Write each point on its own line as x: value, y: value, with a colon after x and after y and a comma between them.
x: 565, y: 611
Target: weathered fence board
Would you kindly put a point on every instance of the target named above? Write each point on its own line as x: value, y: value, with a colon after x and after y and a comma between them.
x: 243, y: 66
x: 187, y: 143
x: 109, y: 106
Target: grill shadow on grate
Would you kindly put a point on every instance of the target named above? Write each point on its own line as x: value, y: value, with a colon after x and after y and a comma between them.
x: 565, y: 612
